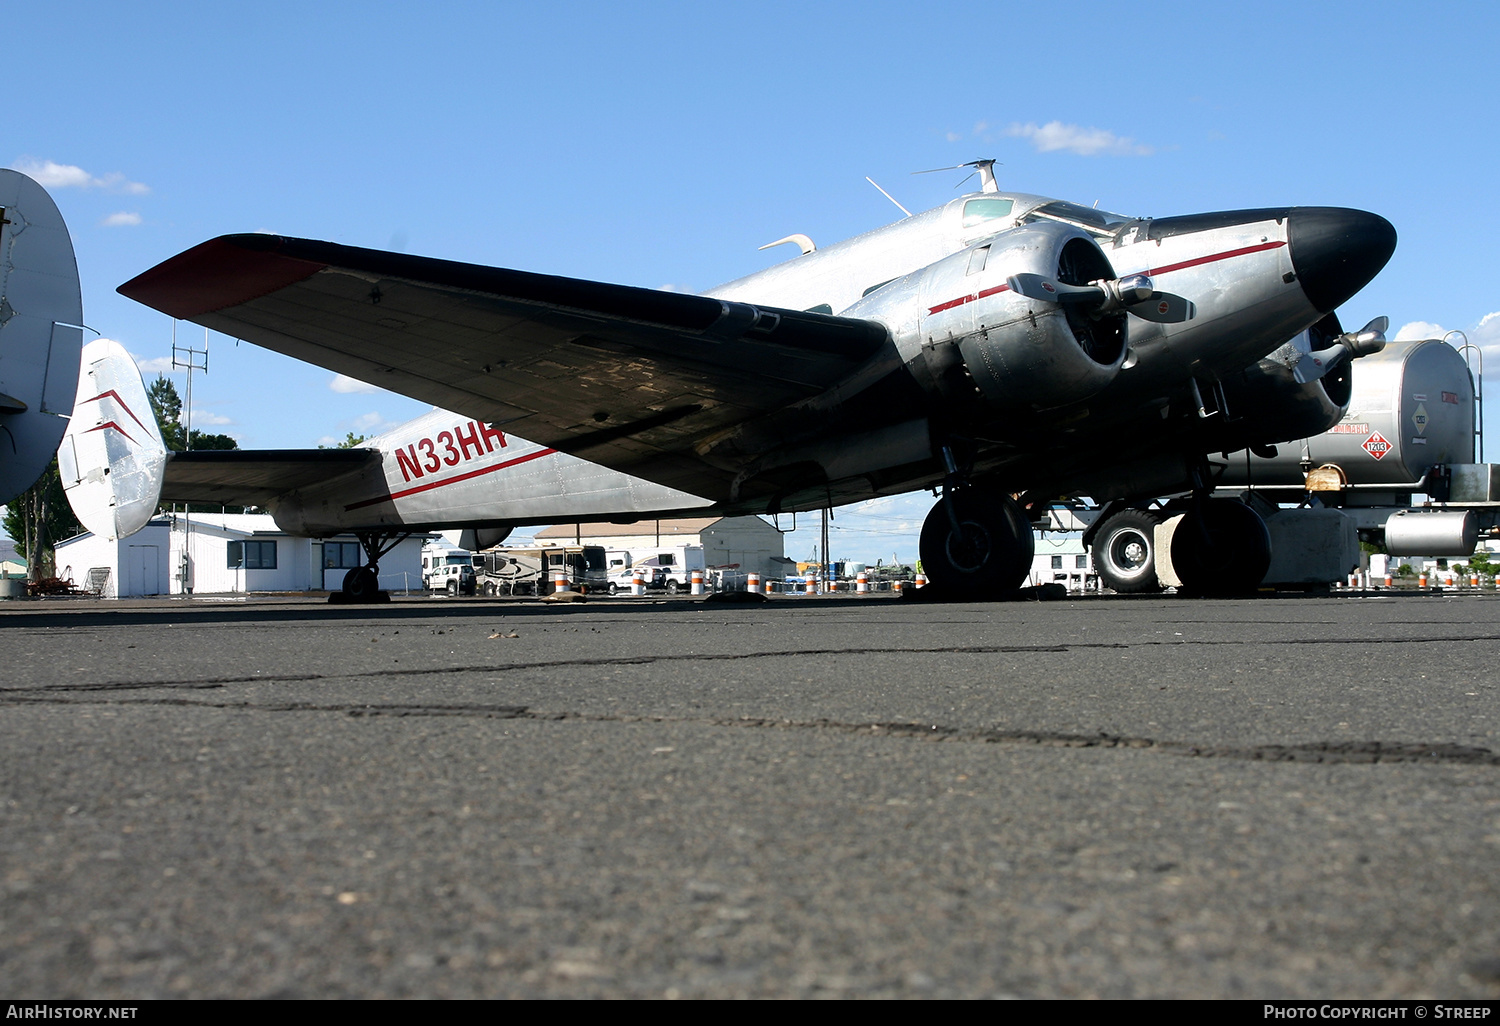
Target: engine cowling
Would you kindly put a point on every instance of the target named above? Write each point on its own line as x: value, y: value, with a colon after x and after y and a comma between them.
x: 1268, y: 406
x: 982, y: 348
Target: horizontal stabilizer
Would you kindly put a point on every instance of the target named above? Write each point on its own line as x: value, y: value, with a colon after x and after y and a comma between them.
x: 255, y: 477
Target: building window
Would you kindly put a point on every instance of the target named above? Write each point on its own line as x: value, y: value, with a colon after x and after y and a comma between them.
x: 342, y: 555
x: 1081, y: 562
x: 252, y: 555
x: 1057, y: 562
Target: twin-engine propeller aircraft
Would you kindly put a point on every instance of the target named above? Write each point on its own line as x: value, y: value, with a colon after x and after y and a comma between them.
x: 41, y: 316
x: 1003, y: 349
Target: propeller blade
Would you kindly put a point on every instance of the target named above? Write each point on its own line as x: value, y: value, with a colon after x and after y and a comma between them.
x: 1164, y: 308
x: 1367, y: 340
x: 1046, y: 290
x: 1313, y: 366
x: 1133, y: 293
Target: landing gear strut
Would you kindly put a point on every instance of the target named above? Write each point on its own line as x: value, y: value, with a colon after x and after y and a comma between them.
x: 362, y: 584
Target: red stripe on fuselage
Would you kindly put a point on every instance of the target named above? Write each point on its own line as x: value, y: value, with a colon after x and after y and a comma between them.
x: 1167, y: 269
x: 430, y: 485
x: 968, y: 299
x: 1198, y: 261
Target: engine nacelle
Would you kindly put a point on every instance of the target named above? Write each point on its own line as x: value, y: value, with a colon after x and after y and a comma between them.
x: 1267, y: 405
x: 977, y: 345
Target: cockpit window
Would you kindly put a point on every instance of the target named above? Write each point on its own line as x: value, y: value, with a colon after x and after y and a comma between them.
x: 978, y: 211
x: 1084, y: 217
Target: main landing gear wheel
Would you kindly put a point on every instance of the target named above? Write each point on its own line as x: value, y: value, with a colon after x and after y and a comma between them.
x: 1221, y: 547
x: 991, y: 551
x: 1125, y: 552
x: 361, y: 584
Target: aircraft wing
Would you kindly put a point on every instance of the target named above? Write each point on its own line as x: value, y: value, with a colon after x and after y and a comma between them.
x: 236, y: 477
x: 630, y: 378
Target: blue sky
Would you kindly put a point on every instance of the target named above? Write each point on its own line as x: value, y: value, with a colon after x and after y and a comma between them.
x: 659, y: 144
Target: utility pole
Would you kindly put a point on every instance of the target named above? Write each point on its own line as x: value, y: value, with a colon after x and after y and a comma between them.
x: 186, y: 358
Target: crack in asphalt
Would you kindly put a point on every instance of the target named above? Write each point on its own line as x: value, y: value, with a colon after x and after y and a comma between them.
x: 1367, y: 752
x: 647, y: 659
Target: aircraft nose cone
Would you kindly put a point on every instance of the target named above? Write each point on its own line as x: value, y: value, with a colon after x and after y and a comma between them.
x: 1336, y: 252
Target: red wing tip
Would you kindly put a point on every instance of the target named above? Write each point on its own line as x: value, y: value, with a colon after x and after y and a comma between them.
x: 218, y: 274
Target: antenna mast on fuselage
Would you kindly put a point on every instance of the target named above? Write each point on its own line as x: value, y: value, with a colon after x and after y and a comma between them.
x: 985, y: 169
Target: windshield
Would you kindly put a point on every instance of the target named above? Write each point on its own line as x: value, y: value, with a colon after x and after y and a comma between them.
x: 978, y: 211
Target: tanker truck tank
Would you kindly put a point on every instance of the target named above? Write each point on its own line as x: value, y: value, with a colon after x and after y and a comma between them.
x: 1411, y: 408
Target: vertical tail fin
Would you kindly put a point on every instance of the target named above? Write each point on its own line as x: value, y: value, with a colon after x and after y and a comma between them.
x: 40, y: 312
x: 112, y: 459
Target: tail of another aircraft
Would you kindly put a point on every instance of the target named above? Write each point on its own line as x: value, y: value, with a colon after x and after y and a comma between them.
x: 40, y: 335
x: 112, y: 460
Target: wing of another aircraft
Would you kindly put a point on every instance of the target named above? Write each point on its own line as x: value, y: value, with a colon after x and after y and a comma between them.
x: 627, y: 377
x: 232, y: 477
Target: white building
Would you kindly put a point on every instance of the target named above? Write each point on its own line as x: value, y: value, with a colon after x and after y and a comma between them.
x: 1063, y: 559
x: 228, y: 553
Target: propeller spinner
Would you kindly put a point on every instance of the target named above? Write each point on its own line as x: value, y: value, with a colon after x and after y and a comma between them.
x: 1351, y: 346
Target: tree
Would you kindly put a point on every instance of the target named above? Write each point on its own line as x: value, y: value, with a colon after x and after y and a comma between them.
x: 167, y: 406
x: 37, y: 520
x: 353, y: 441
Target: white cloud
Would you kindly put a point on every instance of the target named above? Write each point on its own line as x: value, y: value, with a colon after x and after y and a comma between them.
x: 1419, y: 330
x: 1485, y: 335
x: 1487, y: 332
x: 372, y: 423
x: 346, y: 385
x: 155, y: 365
x: 204, y: 417
x: 1086, y: 142
x: 52, y: 175
x: 120, y: 220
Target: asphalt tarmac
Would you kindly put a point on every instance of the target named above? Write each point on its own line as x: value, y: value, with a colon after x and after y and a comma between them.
x: 1094, y: 797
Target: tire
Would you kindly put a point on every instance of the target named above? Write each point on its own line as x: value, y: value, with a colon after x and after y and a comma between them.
x: 453, y: 589
x: 614, y: 589
x: 1124, y: 552
x: 1221, y: 548
x: 361, y: 584
x: 991, y: 553
x: 673, y: 587
x: 490, y: 590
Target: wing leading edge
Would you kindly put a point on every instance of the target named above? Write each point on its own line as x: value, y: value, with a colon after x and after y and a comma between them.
x: 634, y: 379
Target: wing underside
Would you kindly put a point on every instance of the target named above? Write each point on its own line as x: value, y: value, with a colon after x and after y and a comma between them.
x: 240, y: 477
x: 634, y: 379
